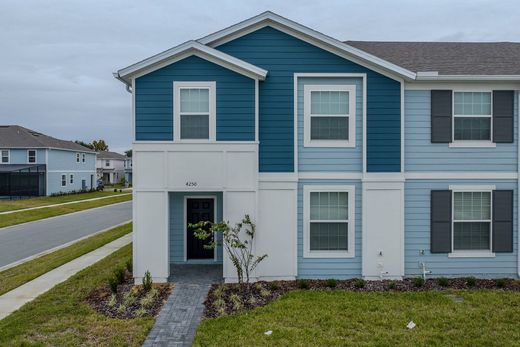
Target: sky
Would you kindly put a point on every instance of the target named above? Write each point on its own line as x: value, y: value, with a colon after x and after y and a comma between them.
x: 57, y: 57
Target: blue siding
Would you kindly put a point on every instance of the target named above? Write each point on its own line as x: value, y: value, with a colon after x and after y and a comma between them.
x: 177, y: 233
x: 235, y: 99
x: 339, y: 268
x: 417, y: 235
x: 64, y: 162
x: 422, y: 155
x: 19, y: 156
x: 283, y: 55
x: 326, y: 158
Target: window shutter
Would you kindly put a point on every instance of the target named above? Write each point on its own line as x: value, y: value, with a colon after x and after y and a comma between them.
x: 441, y: 116
x: 503, y: 221
x: 440, y: 234
x: 503, y: 105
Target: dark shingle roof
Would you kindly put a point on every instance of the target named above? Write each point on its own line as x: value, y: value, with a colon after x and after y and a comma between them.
x: 15, y: 136
x: 110, y: 155
x: 448, y: 58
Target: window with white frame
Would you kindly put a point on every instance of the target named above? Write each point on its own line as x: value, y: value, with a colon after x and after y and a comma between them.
x: 31, y: 156
x: 329, y: 115
x: 194, y: 111
x: 77, y: 157
x: 329, y: 221
x: 472, y: 113
x: 83, y: 158
x: 5, y: 156
x: 107, y: 162
x: 63, y: 180
x: 472, y: 221
x: 71, y: 179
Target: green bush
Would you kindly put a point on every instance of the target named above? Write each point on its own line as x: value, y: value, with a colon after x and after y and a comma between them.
x: 303, y: 284
x: 331, y: 282
x: 129, y: 299
x: 500, y: 283
x: 471, y: 281
x: 443, y: 281
x: 359, y: 283
x: 140, y: 312
x: 119, y: 275
x: 418, y: 282
x: 147, y: 281
x: 113, y: 283
x: 121, y: 309
x: 129, y: 265
x: 274, y: 286
x: 392, y: 285
x: 236, y: 301
x: 113, y: 301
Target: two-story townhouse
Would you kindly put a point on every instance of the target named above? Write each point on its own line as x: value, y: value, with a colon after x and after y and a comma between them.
x: 355, y: 159
x: 110, y: 167
x: 34, y: 164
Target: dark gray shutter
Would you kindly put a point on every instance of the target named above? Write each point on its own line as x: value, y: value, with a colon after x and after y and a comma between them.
x: 503, y: 104
x: 440, y: 234
x: 503, y: 221
x: 441, y: 115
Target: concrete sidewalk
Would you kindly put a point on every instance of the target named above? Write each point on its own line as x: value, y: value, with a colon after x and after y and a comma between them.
x: 16, y: 298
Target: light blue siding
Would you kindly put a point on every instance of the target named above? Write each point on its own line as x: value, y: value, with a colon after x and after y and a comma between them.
x: 339, y: 268
x: 177, y: 218
x: 417, y: 235
x: 328, y: 158
x: 283, y: 55
x: 19, y: 156
x: 54, y: 181
x: 422, y: 155
x: 235, y: 100
x: 64, y: 162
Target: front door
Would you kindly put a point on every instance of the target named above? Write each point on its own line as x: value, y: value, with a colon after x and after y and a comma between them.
x: 198, y: 210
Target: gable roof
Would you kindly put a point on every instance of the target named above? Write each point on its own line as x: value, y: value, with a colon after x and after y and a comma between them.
x: 111, y: 155
x: 448, y: 58
x: 323, y: 41
x: 185, y: 50
x: 15, y: 136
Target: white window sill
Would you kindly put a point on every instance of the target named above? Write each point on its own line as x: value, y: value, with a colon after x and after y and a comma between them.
x: 331, y: 144
x: 472, y: 144
x: 472, y: 254
x: 328, y: 254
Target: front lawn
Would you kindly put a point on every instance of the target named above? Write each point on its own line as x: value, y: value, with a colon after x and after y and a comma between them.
x: 23, y: 273
x: 348, y: 318
x: 12, y: 205
x: 32, y: 215
x: 61, y: 317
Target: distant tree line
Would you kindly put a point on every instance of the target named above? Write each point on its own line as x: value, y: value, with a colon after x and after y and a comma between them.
x: 99, y: 146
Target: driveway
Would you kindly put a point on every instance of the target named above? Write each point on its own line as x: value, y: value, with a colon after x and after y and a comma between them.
x: 22, y: 241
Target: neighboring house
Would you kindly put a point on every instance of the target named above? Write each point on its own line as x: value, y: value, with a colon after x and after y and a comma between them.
x: 110, y: 167
x: 356, y: 159
x: 34, y: 164
x: 128, y: 170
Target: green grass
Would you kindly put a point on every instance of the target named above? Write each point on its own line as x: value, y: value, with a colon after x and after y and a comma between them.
x: 18, y: 275
x: 32, y: 215
x: 60, y: 317
x: 12, y: 205
x: 342, y: 318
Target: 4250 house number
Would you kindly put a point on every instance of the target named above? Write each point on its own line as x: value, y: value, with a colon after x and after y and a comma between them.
x: 191, y: 184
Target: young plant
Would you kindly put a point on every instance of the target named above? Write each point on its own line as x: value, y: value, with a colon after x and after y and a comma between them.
x: 129, y: 299
x: 237, y: 240
x: 331, y: 283
x: 119, y: 275
x: 236, y: 301
x: 147, y: 281
x: 128, y: 265
x: 418, y: 282
x: 359, y: 283
x: 113, y: 283
x: 443, y: 281
x: 500, y: 283
x: 140, y: 312
x: 274, y: 286
x: 471, y: 281
x: 121, y: 309
x: 392, y: 285
x: 113, y: 301
x: 303, y: 284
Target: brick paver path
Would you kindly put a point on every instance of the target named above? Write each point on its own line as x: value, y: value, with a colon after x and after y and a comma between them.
x: 180, y: 316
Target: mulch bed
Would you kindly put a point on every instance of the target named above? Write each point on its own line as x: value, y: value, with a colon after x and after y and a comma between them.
x: 224, y: 299
x: 102, y: 301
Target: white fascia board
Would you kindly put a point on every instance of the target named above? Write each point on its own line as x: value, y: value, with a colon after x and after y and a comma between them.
x: 269, y: 17
x: 186, y: 49
x: 468, y: 78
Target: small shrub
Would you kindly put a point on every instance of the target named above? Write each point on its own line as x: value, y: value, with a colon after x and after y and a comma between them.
x: 115, y: 190
x: 418, y: 282
x: 120, y: 190
x: 219, y: 291
x: 264, y: 292
x: 221, y: 311
x: 128, y: 265
x: 236, y: 301
x: 274, y: 286
x: 119, y: 275
x: 359, y: 283
x: 331, y: 283
x: 113, y: 301
x: 443, y: 281
x: 140, y: 312
x: 303, y: 284
x: 259, y: 286
x: 471, y: 281
x: 252, y: 300
x: 129, y: 299
x: 121, y: 309
x: 500, y: 283
x: 392, y: 285
x: 147, y: 301
x: 113, y: 283
x: 147, y: 281
x: 219, y: 303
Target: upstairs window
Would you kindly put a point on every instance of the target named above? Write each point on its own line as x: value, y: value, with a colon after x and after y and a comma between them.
x: 31, y: 156
x: 83, y: 158
x: 107, y: 162
x: 329, y: 116
x: 5, y: 156
x: 77, y: 157
x: 472, y: 116
x: 194, y: 111
x: 471, y: 221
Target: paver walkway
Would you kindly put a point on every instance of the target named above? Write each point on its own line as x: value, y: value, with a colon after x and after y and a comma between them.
x: 180, y: 316
x: 16, y: 298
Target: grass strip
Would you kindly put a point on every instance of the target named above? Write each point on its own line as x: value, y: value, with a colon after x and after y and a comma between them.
x: 23, y: 273
x: 33, y: 215
x: 60, y: 317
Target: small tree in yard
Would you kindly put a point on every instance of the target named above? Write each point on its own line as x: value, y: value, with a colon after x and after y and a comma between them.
x: 237, y: 247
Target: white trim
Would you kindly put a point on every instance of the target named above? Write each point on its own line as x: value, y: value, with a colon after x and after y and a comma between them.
x: 295, y: 121
x: 2, y: 156
x: 330, y: 175
x: 420, y: 77
x: 184, y: 50
x: 133, y: 111
x: 441, y: 175
x: 35, y: 156
x: 444, y: 175
x: 304, y: 33
x: 471, y: 254
x: 471, y: 143
x: 54, y: 148
x: 461, y: 85
x: 88, y: 171
x: 185, y: 221
x: 518, y: 186
x: 351, y: 232
x: 257, y: 109
x: 402, y: 128
x: 211, y: 86
x: 307, y: 116
x: 364, y: 131
x: 472, y: 188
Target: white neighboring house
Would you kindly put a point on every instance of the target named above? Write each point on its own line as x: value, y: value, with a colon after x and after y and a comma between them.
x: 110, y: 167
